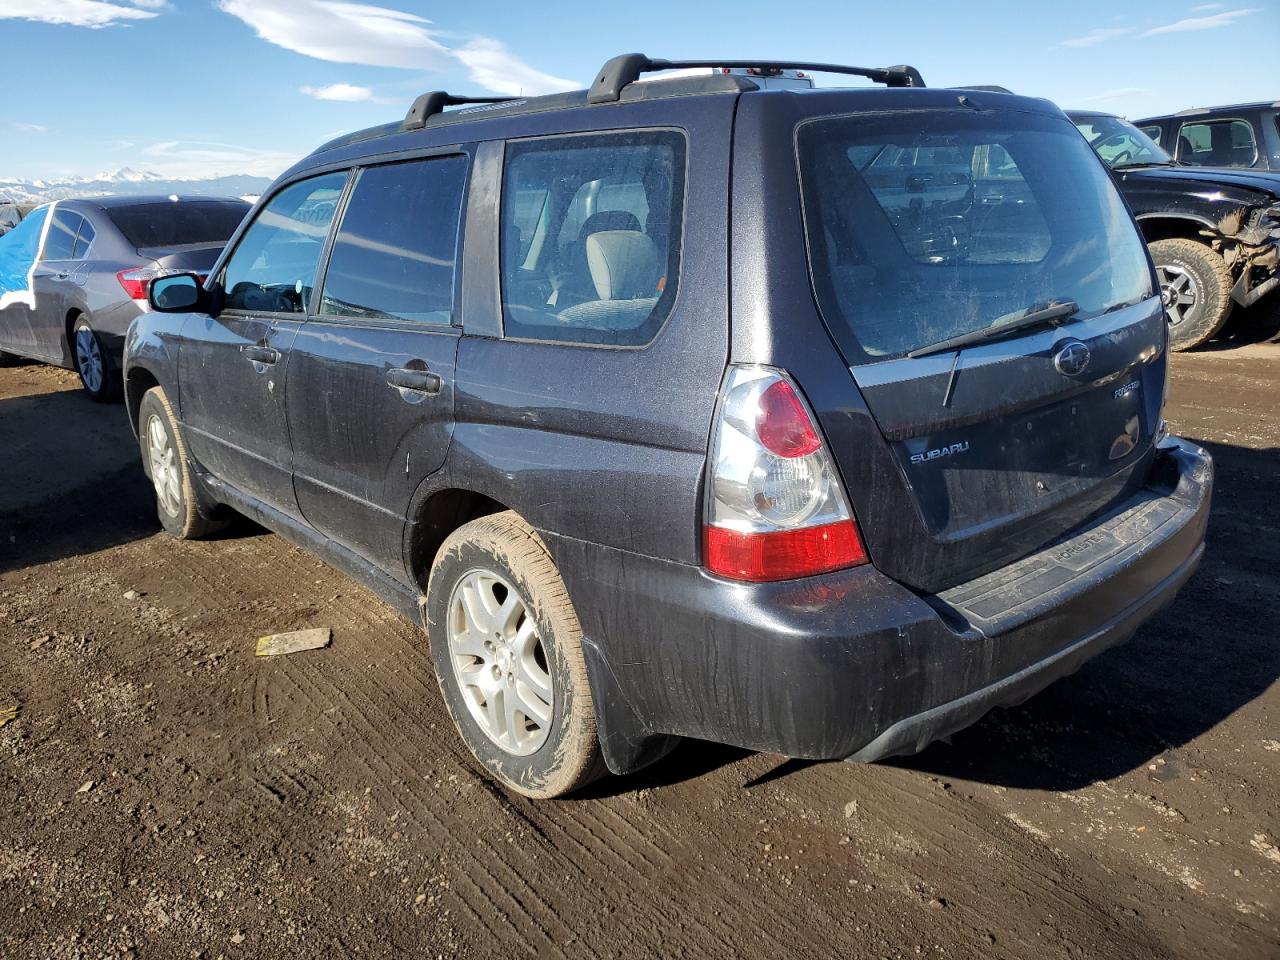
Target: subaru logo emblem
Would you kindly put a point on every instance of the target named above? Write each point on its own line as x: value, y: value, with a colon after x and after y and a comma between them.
x: 1071, y: 358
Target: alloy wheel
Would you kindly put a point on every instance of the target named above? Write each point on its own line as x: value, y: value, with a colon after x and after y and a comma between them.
x: 499, y: 662
x: 163, y: 460
x: 1178, y: 291
x: 89, y: 359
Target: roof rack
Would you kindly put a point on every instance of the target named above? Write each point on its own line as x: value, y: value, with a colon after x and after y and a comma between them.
x: 627, y: 68
x: 433, y: 102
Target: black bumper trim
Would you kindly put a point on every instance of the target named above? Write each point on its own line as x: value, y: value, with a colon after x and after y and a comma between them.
x: 913, y: 734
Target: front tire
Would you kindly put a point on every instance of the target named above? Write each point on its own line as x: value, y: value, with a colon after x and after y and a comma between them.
x: 1195, y: 286
x: 507, y: 649
x: 99, y: 371
x: 164, y: 459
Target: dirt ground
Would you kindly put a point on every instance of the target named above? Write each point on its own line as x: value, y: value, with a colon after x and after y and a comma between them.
x: 165, y: 794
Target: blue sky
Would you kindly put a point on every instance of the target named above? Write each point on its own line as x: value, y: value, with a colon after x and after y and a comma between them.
x: 208, y: 87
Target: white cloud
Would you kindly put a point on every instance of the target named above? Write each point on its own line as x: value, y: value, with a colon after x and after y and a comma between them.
x: 495, y: 68
x: 344, y: 92
x: 1224, y: 19
x: 31, y: 127
x: 1200, y: 8
x: 198, y: 159
x: 94, y: 14
x: 1096, y: 36
x: 382, y: 37
x: 1119, y: 93
x: 343, y: 32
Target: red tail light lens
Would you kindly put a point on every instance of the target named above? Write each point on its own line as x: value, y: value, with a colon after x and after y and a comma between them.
x: 783, y: 425
x: 137, y: 280
x: 783, y: 554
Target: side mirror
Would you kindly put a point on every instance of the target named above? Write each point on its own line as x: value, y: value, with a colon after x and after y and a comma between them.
x: 176, y: 293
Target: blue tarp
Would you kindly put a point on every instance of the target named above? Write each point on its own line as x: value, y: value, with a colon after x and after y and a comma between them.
x: 18, y: 250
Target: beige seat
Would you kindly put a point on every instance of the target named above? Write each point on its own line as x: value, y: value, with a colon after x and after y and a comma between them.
x: 625, y: 272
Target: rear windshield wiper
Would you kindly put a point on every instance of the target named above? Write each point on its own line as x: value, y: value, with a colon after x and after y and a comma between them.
x: 1143, y: 163
x: 1051, y: 314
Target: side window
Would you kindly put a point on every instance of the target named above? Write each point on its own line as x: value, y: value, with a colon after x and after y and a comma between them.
x: 395, y: 252
x: 1153, y: 131
x: 61, y: 241
x: 602, y: 263
x: 1217, y: 143
x: 84, y: 240
x: 273, y: 269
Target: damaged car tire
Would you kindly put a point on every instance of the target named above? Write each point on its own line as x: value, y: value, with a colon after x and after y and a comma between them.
x: 506, y: 645
x: 164, y: 459
x: 1195, y: 286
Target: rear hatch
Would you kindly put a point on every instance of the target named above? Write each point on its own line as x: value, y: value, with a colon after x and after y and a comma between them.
x: 927, y: 225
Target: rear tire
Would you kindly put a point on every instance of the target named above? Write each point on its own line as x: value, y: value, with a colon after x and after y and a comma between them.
x: 164, y: 459
x: 507, y: 649
x: 99, y: 371
x: 1195, y: 285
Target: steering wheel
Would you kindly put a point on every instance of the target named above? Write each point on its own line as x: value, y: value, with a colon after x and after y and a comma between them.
x: 1121, y: 157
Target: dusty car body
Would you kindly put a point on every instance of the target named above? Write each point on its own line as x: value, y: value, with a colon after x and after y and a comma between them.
x: 813, y: 421
x: 74, y: 274
x: 1233, y: 213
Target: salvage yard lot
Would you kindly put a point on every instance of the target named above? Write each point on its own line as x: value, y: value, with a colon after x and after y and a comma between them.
x: 163, y: 791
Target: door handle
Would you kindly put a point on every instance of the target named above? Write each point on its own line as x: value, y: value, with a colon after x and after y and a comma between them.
x: 419, y: 381
x: 259, y: 354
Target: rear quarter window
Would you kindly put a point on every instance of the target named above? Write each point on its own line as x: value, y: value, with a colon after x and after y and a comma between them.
x: 590, y: 236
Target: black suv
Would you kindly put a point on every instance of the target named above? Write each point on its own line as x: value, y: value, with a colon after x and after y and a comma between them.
x: 1240, y: 135
x: 1214, y: 233
x: 814, y: 421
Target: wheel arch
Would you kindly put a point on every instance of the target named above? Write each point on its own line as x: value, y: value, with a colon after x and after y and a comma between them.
x: 1176, y: 227
x: 436, y: 515
x: 139, y: 381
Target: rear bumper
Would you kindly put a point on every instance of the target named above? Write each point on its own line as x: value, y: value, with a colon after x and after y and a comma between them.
x: 852, y: 664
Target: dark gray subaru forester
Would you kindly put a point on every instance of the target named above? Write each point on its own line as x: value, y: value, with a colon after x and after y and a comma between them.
x: 817, y: 421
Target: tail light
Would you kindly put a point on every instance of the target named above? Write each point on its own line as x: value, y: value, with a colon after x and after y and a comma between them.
x: 135, y: 281
x: 775, y: 506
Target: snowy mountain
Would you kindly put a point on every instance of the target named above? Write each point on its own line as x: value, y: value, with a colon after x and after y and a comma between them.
x: 128, y: 182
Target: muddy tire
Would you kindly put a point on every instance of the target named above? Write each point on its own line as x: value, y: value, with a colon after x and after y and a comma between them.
x: 99, y: 370
x: 164, y: 459
x: 1195, y: 285
x: 507, y: 649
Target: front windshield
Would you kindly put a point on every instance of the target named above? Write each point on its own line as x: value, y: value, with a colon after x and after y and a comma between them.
x: 930, y: 224
x: 1119, y: 143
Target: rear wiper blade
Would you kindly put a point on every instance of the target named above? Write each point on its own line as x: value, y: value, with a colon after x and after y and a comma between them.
x: 1144, y: 163
x: 1050, y: 314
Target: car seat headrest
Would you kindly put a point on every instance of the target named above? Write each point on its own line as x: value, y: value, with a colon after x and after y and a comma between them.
x: 609, y: 220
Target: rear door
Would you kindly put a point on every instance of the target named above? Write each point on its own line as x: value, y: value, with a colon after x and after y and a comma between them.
x: 55, y: 284
x: 233, y: 367
x: 370, y: 397
x: 1000, y: 446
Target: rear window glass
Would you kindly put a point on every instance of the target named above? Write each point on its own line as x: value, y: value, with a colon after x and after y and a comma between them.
x: 394, y: 254
x: 174, y: 224
x: 591, y: 236
x: 929, y: 224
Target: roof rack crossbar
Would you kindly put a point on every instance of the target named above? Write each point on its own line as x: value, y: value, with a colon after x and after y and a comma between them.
x: 434, y: 101
x: 627, y: 68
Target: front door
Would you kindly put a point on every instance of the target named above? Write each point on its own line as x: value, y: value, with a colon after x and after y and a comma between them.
x: 233, y: 367
x: 370, y: 398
